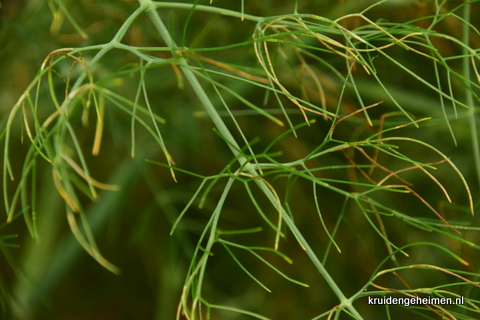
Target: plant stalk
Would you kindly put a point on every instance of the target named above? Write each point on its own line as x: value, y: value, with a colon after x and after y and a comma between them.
x: 468, y: 88
x: 233, y: 145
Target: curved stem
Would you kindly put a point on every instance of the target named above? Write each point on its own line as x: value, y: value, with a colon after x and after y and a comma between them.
x: 234, y: 147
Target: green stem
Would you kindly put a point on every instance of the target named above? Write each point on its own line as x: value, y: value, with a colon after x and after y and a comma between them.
x: 199, y: 7
x: 468, y: 89
x: 234, y: 147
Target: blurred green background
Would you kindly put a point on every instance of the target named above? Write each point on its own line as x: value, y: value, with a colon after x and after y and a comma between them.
x: 53, y: 278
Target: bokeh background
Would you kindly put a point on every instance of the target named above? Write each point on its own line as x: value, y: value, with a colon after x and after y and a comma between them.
x: 53, y: 278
